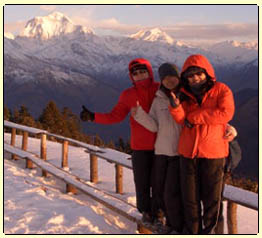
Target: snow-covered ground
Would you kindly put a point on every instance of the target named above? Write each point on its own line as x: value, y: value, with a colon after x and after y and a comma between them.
x: 37, y: 205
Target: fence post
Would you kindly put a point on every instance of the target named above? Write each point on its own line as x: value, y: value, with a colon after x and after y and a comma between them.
x: 29, y: 164
x: 119, y: 178
x: 93, y: 168
x: 43, y: 152
x: 71, y: 189
x: 232, y: 217
x: 64, y: 154
x: 13, y: 142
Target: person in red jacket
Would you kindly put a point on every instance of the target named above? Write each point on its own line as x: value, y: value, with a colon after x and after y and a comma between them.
x: 142, y: 140
x: 204, y: 112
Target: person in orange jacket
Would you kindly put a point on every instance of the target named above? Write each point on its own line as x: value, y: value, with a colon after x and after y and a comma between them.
x: 142, y: 140
x: 206, y: 108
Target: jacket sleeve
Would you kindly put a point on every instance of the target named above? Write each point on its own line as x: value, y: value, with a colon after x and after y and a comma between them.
x: 118, y: 113
x: 178, y: 114
x: 222, y: 114
x: 147, y: 120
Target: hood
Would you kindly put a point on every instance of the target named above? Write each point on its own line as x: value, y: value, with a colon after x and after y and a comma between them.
x: 199, y: 61
x: 141, y: 61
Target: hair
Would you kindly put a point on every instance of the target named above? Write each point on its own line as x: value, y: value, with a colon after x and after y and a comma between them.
x: 185, y: 83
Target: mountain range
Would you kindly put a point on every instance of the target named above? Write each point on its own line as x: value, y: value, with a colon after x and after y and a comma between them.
x: 55, y: 59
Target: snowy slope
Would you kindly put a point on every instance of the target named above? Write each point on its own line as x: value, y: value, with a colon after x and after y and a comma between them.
x: 33, y: 205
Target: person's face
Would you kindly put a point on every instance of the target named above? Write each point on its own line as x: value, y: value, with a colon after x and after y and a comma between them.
x: 170, y: 82
x: 140, y: 74
x: 196, y: 78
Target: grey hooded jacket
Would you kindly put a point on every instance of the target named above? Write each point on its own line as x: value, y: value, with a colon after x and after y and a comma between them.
x: 160, y: 120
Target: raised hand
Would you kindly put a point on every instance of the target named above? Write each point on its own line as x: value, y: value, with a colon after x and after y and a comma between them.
x: 174, y: 101
x: 134, y: 109
x: 86, y: 115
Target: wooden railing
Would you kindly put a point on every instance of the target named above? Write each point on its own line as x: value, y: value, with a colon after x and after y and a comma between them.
x: 232, y: 194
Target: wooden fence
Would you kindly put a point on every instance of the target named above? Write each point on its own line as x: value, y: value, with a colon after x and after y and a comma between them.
x: 232, y: 194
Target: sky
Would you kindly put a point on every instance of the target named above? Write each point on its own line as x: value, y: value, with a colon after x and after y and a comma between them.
x: 183, y: 22
x: 37, y: 205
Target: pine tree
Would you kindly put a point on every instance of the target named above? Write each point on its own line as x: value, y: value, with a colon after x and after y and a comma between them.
x: 7, y: 113
x: 51, y: 119
x: 98, y: 141
x: 128, y: 147
x: 121, y: 144
x: 111, y: 145
x: 71, y: 124
x: 15, y: 117
x: 25, y: 117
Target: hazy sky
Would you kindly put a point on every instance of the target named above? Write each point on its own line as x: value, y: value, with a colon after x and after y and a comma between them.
x: 183, y: 22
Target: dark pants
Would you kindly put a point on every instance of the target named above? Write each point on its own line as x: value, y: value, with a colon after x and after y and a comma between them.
x: 142, y: 162
x: 220, y: 223
x: 172, y: 195
x: 160, y: 166
x: 166, y: 190
x: 201, y: 180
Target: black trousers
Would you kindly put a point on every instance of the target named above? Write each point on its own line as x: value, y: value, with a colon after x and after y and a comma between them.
x: 201, y: 181
x: 220, y: 223
x: 160, y: 167
x: 142, y: 162
x: 172, y: 195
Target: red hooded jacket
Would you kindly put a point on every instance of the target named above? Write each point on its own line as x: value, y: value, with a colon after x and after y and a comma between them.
x: 206, y: 138
x: 142, y: 91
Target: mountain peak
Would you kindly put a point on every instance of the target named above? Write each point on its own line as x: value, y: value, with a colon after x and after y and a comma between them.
x: 236, y: 44
x: 154, y: 34
x: 9, y: 35
x: 52, y: 25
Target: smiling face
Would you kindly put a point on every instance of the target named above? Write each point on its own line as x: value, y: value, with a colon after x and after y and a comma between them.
x: 170, y: 82
x: 196, y: 78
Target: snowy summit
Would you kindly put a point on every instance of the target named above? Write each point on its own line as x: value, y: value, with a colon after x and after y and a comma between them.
x: 154, y: 34
x: 52, y: 25
x: 9, y: 35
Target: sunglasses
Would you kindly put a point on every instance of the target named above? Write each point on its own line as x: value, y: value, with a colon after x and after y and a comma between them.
x: 191, y: 74
x: 140, y: 71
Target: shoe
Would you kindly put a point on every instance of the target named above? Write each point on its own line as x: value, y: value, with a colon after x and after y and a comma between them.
x: 173, y: 232
x: 163, y: 230
x: 157, y: 225
x: 147, y: 218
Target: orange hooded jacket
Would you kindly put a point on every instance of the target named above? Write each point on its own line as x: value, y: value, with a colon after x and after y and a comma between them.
x: 206, y: 138
x: 142, y: 91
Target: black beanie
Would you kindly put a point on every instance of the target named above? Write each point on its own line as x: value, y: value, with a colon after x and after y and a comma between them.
x: 168, y: 69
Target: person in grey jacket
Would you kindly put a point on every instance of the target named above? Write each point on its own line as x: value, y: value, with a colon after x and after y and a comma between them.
x: 166, y: 167
x: 166, y: 182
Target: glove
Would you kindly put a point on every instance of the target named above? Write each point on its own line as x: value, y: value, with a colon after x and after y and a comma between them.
x: 86, y: 115
x: 188, y: 124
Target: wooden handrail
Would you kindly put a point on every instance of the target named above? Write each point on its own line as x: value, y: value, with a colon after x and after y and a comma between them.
x: 122, y: 207
x: 232, y: 194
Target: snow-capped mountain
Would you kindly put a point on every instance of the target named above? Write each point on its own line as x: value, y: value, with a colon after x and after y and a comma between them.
x: 9, y: 35
x: 56, y: 45
x: 154, y: 34
x: 57, y: 41
x: 235, y: 50
x: 55, y: 24
x: 55, y: 59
